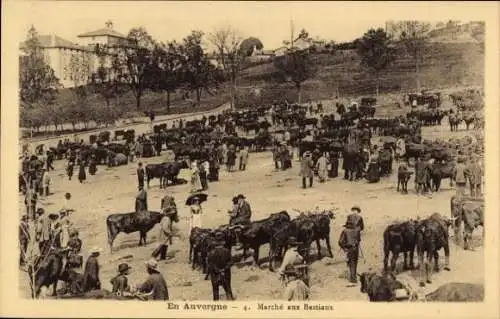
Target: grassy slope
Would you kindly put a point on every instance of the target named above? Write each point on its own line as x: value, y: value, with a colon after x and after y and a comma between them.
x: 445, y: 65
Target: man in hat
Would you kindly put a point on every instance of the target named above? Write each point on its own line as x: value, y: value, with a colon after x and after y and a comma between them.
x: 141, y: 200
x: 334, y: 161
x: 306, y: 169
x: 66, y: 206
x: 91, y: 279
x: 140, y: 175
x: 461, y: 177
x: 45, y: 182
x: 295, y: 288
x: 355, y: 218
x: 165, y: 238
x: 292, y: 255
x: 349, y: 241
x: 43, y: 230
x: 244, y: 212
x: 243, y: 158
x: 120, y: 282
x: 475, y: 176
x: 155, y: 284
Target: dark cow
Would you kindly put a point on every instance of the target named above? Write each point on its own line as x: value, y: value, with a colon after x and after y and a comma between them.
x: 470, y: 212
x: 432, y: 235
x: 439, y: 171
x: 352, y: 162
x: 260, y: 232
x: 141, y: 222
x: 165, y: 172
x: 400, y: 238
x: 379, y: 288
x: 457, y: 292
x: 219, y: 269
x: 403, y: 178
x: 48, y: 269
x: 196, y: 237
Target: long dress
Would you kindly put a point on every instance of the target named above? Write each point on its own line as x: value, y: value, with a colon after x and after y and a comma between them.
x: 195, y: 220
x: 81, y: 174
x: 195, y: 178
x: 322, y: 166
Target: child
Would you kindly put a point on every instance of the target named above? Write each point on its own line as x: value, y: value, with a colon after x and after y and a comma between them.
x: 120, y: 282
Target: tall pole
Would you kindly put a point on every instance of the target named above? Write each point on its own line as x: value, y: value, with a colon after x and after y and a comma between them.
x: 292, y: 31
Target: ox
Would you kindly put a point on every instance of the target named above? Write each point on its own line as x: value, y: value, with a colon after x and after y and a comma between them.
x: 400, y: 238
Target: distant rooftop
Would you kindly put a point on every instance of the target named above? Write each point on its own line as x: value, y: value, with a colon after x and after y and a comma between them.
x: 107, y: 31
x: 53, y: 41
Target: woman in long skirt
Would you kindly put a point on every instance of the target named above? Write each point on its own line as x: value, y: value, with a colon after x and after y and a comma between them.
x: 195, y: 178
x: 81, y: 174
x: 196, y: 213
x: 92, y: 165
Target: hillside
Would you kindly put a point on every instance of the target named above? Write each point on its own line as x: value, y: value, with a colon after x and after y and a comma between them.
x: 444, y: 65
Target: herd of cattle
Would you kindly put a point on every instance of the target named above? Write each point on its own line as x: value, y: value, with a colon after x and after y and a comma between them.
x: 198, y: 140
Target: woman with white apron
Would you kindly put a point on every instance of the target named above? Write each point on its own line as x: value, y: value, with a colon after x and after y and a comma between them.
x: 195, y: 177
x: 196, y: 212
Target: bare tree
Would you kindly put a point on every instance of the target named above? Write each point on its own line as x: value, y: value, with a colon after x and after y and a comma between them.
x: 228, y: 41
x: 413, y: 35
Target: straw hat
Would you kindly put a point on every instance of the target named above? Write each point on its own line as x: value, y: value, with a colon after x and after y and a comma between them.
x: 152, y: 264
x: 95, y: 250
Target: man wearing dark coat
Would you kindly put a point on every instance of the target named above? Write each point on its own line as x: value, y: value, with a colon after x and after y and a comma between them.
x: 81, y: 174
x: 334, y: 168
x: 140, y: 175
x: 349, y: 242
x: 120, y: 282
x: 91, y: 279
x: 141, y: 200
x: 155, y: 283
x: 244, y: 212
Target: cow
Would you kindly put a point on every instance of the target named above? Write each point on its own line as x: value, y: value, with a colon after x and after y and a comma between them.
x: 470, y: 213
x: 141, y: 222
x: 165, y: 172
x: 117, y: 159
x: 219, y: 269
x: 439, y: 171
x: 400, y: 238
x: 196, y: 237
x: 403, y: 178
x: 260, y: 232
x: 47, y: 270
x: 457, y: 292
x: 352, y: 162
x: 432, y: 235
x: 379, y: 287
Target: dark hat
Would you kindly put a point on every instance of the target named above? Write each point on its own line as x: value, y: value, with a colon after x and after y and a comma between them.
x: 40, y: 211
x: 67, y: 195
x: 356, y: 207
x: 241, y: 196
x: 123, y: 267
x: 235, y: 199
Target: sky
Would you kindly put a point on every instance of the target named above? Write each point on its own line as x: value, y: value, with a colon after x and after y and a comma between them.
x: 268, y: 21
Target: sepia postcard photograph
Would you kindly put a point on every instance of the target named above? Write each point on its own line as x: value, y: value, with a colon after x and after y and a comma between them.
x: 249, y: 159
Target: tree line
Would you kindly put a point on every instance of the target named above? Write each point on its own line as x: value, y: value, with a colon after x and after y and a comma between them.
x: 140, y: 65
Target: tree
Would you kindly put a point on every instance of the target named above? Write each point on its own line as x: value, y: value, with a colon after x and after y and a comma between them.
x: 477, y: 34
x: 37, y: 81
x: 376, y: 52
x: 413, y: 35
x: 79, y: 70
x: 229, y: 54
x: 247, y: 45
x: 198, y: 72
x: 133, y: 64
x: 166, y: 69
x: 295, y: 67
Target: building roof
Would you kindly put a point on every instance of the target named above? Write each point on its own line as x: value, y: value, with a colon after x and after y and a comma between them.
x: 53, y: 41
x: 103, y: 32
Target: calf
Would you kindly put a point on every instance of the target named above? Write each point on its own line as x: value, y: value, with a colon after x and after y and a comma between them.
x: 128, y: 223
x: 440, y: 171
x: 403, y: 178
x: 432, y: 235
x: 400, y: 238
x: 379, y: 288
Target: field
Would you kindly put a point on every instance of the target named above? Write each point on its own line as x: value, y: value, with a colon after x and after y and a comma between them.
x: 268, y: 191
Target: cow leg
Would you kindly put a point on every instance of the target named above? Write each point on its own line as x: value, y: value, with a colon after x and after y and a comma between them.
x: 394, y: 259
x: 436, y: 261
x: 161, y: 182
x: 328, y: 246
x: 227, y: 285
x: 190, y: 252
x: 319, y: 249
x: 215, y: 289
x: 412, y: 252
x: 256, y: 256
x: 386, y: 259
x: 399, y: 181
x: 140, y: 238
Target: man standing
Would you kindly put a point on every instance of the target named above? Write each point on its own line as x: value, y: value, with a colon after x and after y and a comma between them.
x: 349, y: 242
x: 243, y: 158
x: 46, y: 182
x: 475, y: 176
x: 306, y: 169
x: 91, y: 279
x: 461, y: 177
x: 43, y: 230
x: 322, y: 168
x: 334, y: 164
x: 141, y: 201
x: 140, y: 175
x: 165, y: 237
x: 155, y: 284
x: 355, y: 218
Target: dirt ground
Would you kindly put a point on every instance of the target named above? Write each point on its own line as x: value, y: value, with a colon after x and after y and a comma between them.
x: 268, y: 191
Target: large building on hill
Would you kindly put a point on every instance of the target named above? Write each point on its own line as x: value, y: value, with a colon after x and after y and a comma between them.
x: 59, y: 53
